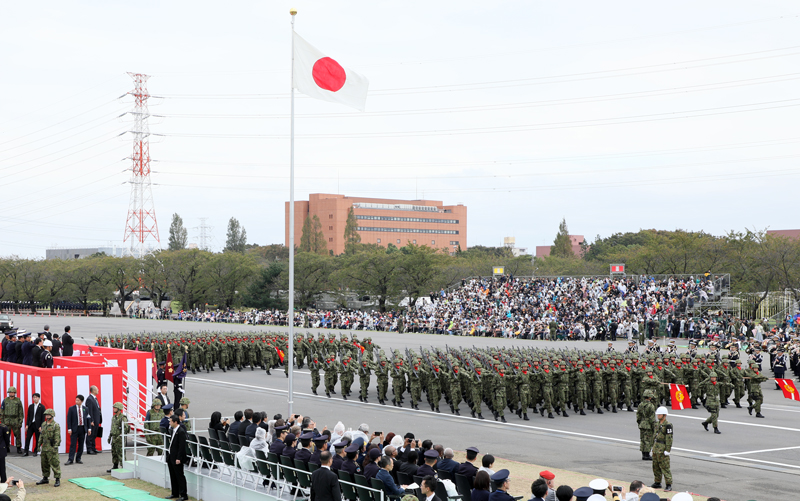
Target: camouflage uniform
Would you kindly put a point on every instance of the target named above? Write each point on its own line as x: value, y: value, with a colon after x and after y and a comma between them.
x: 13, y: 416
x: 187, y: 424
x: 50, y: 440
x: 154, y: 438
x: 646, y: 419
x: 115, y: 435
x: 662, y: 445
x: 712, y: 391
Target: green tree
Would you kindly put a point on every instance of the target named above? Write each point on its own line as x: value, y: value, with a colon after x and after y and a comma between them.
x: 236, y: 237
x: 351, y: 236
x: 229, y: 273
x: 55, y: 281
x: 313, y: 240
x: 178, y: 235
x: 83, y: 277
x: 562, y: 245
x: 263, y: 291
x: 185, y: 270
x: 154, y: 277
x: 311, y: 277
x: 28, y: 279
x: 370, y: 272
x: 419, y: 271
x: 122, y: 274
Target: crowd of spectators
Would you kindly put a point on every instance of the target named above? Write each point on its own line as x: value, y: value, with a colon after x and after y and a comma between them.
x: 406, y: 465
x: 532, y: 308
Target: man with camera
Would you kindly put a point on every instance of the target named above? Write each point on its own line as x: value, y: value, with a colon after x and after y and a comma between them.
x: 20, y: 490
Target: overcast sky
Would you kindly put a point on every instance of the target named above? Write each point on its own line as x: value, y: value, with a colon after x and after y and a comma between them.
x: 614, y: 115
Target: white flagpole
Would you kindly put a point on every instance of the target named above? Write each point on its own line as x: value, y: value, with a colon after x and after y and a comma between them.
x: 290, y: 341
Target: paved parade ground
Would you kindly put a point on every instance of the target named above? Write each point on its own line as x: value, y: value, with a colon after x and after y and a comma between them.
x: 752, y: 459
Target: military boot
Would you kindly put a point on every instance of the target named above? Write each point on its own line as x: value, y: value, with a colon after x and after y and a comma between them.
x: 43, y: 481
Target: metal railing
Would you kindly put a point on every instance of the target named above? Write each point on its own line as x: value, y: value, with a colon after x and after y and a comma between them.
x: 274, y: 477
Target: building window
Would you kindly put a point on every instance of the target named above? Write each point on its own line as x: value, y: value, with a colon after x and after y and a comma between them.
x: 433, y: 242
x: 415, y: 242
x: 408, y: 219
x: 330, y: 228
x: 398, y: 240
x: 379, y: 240
x: 330, y: 239
x: 453, y: 242
x: 407, y: 230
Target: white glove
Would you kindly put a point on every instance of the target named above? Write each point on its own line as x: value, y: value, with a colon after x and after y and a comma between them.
x: 666, y: 453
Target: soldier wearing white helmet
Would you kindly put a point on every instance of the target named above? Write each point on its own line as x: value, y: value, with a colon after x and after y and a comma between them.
x: 47, y: 357
x: 662, y: 449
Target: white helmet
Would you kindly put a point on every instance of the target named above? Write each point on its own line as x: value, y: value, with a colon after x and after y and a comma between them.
x: 47, y: 342
x: 662, y: 410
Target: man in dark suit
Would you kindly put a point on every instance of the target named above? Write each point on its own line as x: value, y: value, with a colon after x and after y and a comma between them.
x: 428, y: 488
x: 5, y: 448
x: 248, y: 416
x: 56, y: 346
x: 176, y: 460
x: 67, y: 342
x: 324, y: 482
x: 250, y: 432
x: 95, y: 420
x: 36, y: 352
x: 163, y: 395
x: 77, y: 422
x: 233, y: 431
x: 33, y: 420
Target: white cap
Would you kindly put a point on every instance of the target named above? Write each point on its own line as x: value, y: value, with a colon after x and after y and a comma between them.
x: 47, y: 342
x: 598, y: 484
x: 662, y: 410
x: 682, y: 496
x: 596, y: 497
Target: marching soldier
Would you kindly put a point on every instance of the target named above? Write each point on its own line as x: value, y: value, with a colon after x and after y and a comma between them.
x: 712, y: 389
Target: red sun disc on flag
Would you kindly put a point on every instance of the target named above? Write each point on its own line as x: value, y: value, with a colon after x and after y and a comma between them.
x: 329, y: 74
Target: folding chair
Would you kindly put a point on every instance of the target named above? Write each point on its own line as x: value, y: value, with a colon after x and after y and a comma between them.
x: 378, y: 485
x: 212, y: 433
x: 441, y: 491
x: 463, y: 488
x: 348, y: 491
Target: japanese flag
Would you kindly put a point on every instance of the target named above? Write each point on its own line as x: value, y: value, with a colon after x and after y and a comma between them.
x: 321, y: 77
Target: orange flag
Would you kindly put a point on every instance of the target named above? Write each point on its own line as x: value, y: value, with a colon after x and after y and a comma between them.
x: 789, y: 389
x: 679, y: 397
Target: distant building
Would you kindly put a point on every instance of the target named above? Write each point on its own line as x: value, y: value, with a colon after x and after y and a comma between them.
x: 791, y: 234
x: 78, y: 253
x: 511, y: 243
x: 383, y: 221
x: 577, y: 242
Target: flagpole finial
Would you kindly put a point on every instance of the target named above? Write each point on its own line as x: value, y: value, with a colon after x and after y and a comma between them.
x: 293, y: 12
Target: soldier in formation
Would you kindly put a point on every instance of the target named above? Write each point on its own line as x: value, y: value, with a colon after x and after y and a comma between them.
x: 521, y: 381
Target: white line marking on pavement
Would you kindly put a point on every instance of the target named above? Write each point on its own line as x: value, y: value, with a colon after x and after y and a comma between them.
x: 524, y: 426
x: 739, y: 422
x: 756, y: 452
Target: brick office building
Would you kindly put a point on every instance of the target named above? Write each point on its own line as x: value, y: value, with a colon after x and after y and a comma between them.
x: 382, y: 221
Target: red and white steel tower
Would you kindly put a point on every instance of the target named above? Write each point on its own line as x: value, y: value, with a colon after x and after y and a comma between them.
x: 141, y: 222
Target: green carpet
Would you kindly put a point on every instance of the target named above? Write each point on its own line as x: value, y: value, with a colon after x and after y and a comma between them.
x: 112, y: 489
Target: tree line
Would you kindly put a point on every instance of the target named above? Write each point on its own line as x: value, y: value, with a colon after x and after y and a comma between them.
x: 253, y: 276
